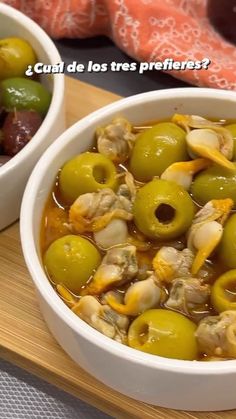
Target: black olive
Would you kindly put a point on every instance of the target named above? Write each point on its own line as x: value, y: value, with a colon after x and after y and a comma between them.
x: 4, y: 159
x: 18, y: 129
x: 3, y: 115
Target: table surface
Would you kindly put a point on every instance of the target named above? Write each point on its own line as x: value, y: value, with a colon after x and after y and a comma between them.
x: 22, y: 394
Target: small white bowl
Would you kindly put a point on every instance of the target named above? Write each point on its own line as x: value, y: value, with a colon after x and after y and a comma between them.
x: 15, y: 173
x: 160, y: 381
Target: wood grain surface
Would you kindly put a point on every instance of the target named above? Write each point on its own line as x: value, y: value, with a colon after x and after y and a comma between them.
x: 24, y: 337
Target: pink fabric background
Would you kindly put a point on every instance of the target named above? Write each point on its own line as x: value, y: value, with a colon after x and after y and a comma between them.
x: 147, y: 30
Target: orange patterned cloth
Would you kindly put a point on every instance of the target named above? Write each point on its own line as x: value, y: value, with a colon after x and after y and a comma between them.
x: 147, y: 30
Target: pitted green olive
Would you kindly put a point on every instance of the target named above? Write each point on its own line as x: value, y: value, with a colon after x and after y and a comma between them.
x: 164, y: 333
x: 227, y: 247
x: 223, y: 292
x: 232, y: 129
x: 87, y: 172
x: 214, y: 183
x: 163, y: 210
x: 71, y: 260
x: 156, y: 149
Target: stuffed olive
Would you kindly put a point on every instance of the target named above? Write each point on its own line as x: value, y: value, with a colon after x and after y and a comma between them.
x: 139, y: 234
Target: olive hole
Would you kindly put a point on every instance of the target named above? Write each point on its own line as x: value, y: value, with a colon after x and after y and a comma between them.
x: 230, y: 291
x: 143, y: 334
x: 165, y: 213
x: 100, y: 174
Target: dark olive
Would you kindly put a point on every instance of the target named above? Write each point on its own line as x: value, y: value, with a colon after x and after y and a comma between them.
x: 4, y: 159
x: 18, y: 129
x: 3, y: 115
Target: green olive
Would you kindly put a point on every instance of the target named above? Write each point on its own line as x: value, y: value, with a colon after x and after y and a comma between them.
x: 71, y: 260
x: 163, y: 210
x: 156, y: 149
x: 15, y: 56
x: 227, y: 247
x: 214, y: 183
x: 223, y: 292
x: 19, y: 93
x: 164, y: 333
x: 87, y: 172
x: 232, y: 129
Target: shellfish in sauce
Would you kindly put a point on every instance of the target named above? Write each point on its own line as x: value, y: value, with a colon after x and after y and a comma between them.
x: 151, y: 287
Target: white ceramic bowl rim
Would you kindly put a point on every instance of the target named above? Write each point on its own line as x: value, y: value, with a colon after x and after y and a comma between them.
x: 58, y: 87
x: 39, y: 276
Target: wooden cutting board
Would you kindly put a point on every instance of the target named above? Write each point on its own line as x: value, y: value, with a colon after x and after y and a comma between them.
x: 24, y: 337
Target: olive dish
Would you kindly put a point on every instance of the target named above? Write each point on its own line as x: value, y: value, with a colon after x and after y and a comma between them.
x: 133, y: 244
x: 91, y: 283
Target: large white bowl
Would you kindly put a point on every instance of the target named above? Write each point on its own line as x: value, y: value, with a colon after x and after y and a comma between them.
x: 152, y: 379
x: 15, y: 173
